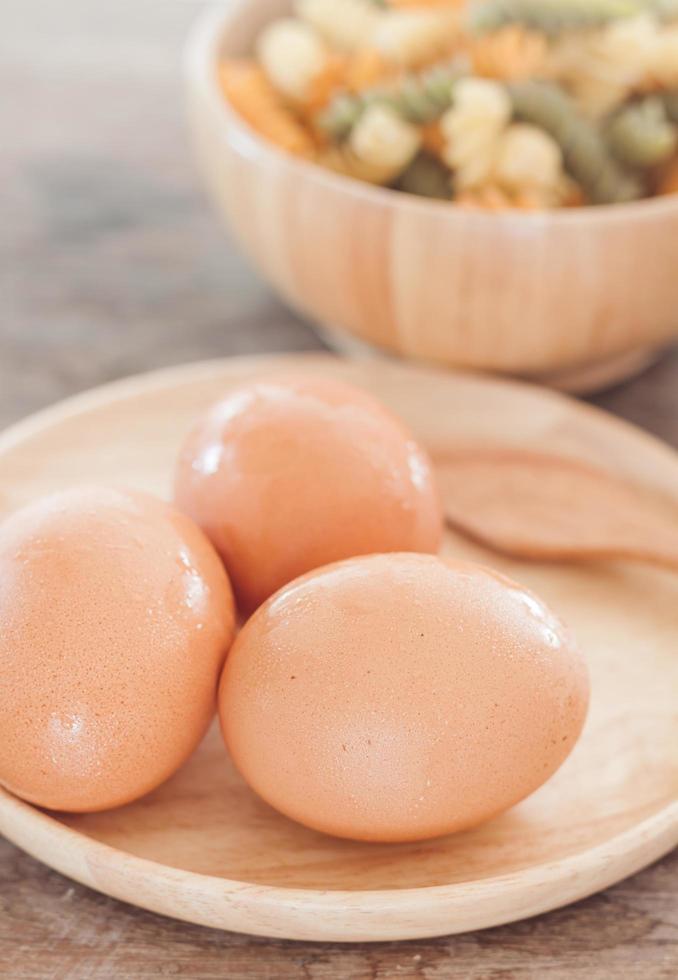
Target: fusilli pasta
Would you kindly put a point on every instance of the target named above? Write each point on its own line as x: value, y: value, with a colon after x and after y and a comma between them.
x: 292, y: 55
x: 492, y: 197
x: 418, y: 4
x: 495, y: 103
x: 642, y: 135
x: 472, y: 129
x: 670, y: 100
x: 528, y: 159
x: 412, y: 38
x: 382, y: 139
x: 662, y: 62
x: 668, y: 182
x: 511, y: 53
x: 321, y: 88
x: 366, y: 68
x: 547, y: 16
x: 432, y: 139
x: 585, y: 152
x: 346, y: 25
x: 342, y: 160
x: 417, y: 98
x: 603, y: 67
x: 427, y: 177
x: 249, y: 91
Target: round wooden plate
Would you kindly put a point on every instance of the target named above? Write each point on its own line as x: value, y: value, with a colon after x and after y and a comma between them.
x: 205, y: 849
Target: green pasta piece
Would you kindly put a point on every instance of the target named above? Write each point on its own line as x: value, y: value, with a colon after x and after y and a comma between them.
x: 343, y: 112
x: 420, y: 98
x: 426, y: 177
x: 417, y: 98
x: 670, y: 100
x: 585, y: 153
x: 341, y: 115
x: 641, y: 134
x: 549, y: 16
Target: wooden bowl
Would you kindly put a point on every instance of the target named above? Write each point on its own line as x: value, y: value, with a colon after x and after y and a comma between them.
x: 536, y: 294
x: 204, y: 848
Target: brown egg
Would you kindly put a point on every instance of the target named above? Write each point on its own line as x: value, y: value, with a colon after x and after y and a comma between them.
x: 399, y: 697
x: 289, y: 474
x: 115, y: 618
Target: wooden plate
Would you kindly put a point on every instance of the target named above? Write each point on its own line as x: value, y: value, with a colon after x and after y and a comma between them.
x: 204, y: 849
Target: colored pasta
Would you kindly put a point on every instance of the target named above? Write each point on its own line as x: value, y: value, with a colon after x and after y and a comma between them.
x: 547, y: 16
x: 670, y: 101
x: 472, y: 129
x: 642, y: 135
x: 585, y: 152
x: 418, y: 98
x: 668, y: 181
x: 492, y: 104
x: 662, y: 62
x: 248, y: 90
x: 412, y: 38
x: 606, y: 66
x: 529, y: 160
x: 384, y: 140
x: 511, y: 53
x: 345, y: 25
x: 426, y: 176
x: 293, y: 56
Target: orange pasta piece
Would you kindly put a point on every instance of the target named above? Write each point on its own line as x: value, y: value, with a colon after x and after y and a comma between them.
x: 423, y: 4
x: 491, y: 197
x: 325, y: 85
x: 358, y: 71
x: 668, y: 182
x: 488, y: 198
x: 510, y: 54
x: 248, y: 90
x: 530, y: 200
x: 365, y: 68
x: 574, y: 196
x: 432, y: 138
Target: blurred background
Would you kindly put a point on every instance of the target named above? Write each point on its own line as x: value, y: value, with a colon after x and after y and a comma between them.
x: 113, y: 261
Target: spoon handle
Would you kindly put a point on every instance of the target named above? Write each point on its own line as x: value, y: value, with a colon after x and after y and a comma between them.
x: 544, y: 507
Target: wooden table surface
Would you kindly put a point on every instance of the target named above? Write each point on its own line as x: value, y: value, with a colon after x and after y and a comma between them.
x: 112, y: 263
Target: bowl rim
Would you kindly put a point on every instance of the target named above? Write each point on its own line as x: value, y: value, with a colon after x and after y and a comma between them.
x: 201, y: 52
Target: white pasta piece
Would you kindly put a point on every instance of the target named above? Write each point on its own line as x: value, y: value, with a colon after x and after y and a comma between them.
x: 529, y: 159
x: 345, y: 25
x: 603, y: 67
x: 410, y: 38
x: 344, y: 161
x: 292, y: 55
x: 472, y: 130
x: 382, y: 139
x: 663, y: 62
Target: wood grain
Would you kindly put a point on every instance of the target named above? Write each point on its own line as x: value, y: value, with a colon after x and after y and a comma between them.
x: 545, y: 507
x: 140, y: 274
x: 220, y: 856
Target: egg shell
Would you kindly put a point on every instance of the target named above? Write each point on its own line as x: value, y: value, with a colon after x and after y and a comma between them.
x: 288, y: 474
x: 401, y: 697
x: 115, y: 619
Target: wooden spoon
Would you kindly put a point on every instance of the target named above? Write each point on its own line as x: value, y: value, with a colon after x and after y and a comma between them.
x: 541, y: 507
